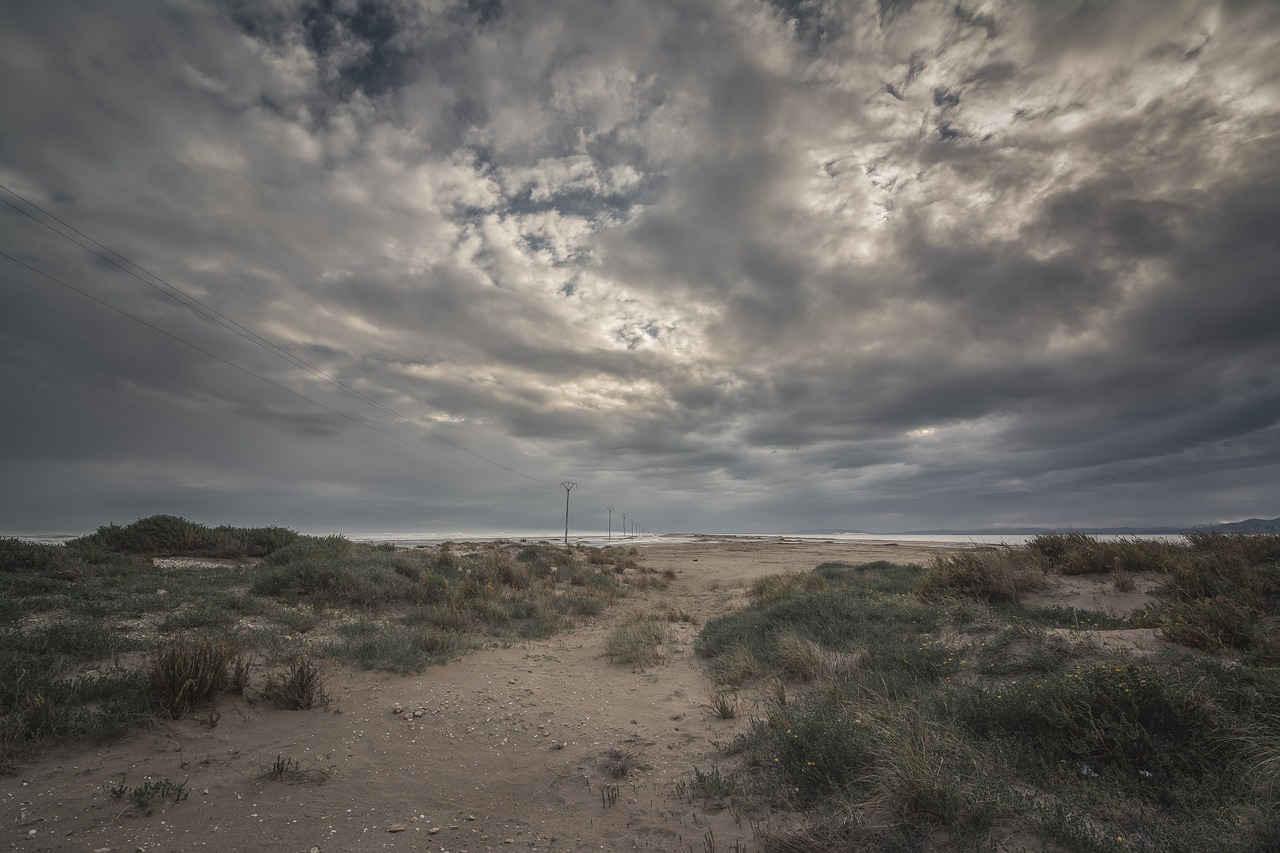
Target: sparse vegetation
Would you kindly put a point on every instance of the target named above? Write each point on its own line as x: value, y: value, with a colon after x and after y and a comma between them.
x: 960, y: 717
x: 724, y: 705
x: 151, y: 793
x: 97, y: 637
x: 618, y: 761
x: 290, y: 771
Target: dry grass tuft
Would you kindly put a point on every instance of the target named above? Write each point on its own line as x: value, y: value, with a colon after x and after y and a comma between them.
x: 299, y: 688
x: 1000, y: 576
x: 800, y: 657
x: 637, y: 640
x: 737, y: 665
x: 187, y: 671
x: 770, y: 588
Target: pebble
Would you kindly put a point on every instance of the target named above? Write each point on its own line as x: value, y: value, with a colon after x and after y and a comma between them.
x: 396, y: 827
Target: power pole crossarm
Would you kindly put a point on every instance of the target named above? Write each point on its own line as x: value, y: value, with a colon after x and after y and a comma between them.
x: 568, y: 487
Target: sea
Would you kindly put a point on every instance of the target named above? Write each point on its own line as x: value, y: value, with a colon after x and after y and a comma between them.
x: 602, y: 538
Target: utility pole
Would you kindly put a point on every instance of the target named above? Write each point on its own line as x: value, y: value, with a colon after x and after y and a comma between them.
x: 568, y: 487
x: 624, y: 525
x: 610, y: 521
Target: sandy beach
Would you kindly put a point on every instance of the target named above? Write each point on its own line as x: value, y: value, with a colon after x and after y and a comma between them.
x: 504, y: 748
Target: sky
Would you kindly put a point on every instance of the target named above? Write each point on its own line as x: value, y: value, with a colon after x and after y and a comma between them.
x: 727, y: 265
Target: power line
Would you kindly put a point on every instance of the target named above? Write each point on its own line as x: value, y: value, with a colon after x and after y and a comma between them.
x: 246, y: 370
x: 188, y: 301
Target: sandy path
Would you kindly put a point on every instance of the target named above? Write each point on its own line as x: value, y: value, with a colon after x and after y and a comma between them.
x: 509, y: 751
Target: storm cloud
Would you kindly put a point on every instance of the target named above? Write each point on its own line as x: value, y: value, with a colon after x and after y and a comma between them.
x: 729, y: 265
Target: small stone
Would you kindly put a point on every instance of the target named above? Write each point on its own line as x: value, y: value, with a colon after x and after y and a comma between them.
x: 396, y: 827
x: 471, y: 817
x: 408, y: 715
x: 397, y: 709
x: 417, y: 714
x: 433, y: 830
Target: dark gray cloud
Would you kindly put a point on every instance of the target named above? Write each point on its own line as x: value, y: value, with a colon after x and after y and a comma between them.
x: 764, y: 265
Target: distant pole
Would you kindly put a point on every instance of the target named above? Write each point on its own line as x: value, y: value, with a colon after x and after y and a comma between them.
x: 624, y: 525
x: 568, y: 487
x: 610, y: 521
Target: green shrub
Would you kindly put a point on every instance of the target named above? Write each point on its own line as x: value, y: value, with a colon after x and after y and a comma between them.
x: 821, y: 746
x: 539, y: 620
x: 307, y: 548
x: 446, y: 617
x: 499, y: 570
x: 836, y: 619
x: 157, y: 534
x: 19, y: 556
x: 365, y: 582
x: 879, y: 577
x: 582, y: 605
x: 393, y: 648
x: 1020, y: 649
x: 171, y: 535
x: 1119, y: 721
x: 1211, y: 624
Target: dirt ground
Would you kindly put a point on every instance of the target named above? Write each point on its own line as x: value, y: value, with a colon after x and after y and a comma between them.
x: 504, y: 749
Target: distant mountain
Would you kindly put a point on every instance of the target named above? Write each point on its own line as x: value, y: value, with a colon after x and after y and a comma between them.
x: 1250, y: 525
x: 1036, y: 531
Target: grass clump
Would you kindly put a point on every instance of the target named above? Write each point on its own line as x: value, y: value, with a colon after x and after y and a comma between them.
x: 188, y: 671
x: 1080, y: 554
x: 290, y: 771
x: 724, y: 705
x: 300, y: 687
x: 151, y: 793
x: 990, y: 576
x: 637, y: 640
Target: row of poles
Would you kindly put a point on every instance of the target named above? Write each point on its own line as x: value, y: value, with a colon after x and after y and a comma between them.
x: 632, y: 529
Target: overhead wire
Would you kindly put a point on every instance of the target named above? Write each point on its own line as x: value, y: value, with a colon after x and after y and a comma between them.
x: 187, y: 300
